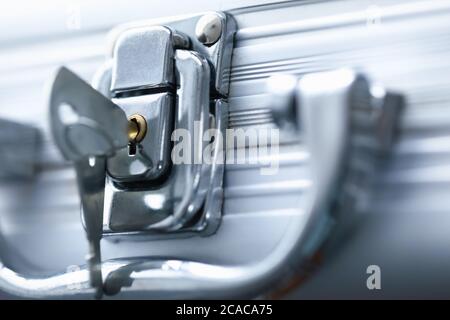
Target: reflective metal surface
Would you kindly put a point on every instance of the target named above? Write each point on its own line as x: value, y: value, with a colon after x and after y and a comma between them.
x: 208, y: 29
x: 400, y: 44
x: 81, y: 119
x: 91, y: 185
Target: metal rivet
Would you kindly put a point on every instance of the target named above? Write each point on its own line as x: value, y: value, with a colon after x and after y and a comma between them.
x: 208, y: 29
x: 137, y: 128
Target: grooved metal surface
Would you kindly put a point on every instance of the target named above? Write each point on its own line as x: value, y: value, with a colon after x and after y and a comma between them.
x: 402, y: 44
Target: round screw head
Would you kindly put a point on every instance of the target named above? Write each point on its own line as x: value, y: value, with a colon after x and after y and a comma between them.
x: 208, y: 29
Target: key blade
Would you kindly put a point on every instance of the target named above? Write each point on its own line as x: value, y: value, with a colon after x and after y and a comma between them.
x: 84, y: 122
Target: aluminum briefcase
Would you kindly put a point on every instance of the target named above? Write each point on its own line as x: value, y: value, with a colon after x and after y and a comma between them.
x: 326, y: 125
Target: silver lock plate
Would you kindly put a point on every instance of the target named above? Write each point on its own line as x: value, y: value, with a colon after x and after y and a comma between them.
x: 150, y: 159
x: 175, y: 79
x: 143, y: 58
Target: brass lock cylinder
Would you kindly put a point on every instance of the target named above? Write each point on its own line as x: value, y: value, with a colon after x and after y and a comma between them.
x: 137, y: 128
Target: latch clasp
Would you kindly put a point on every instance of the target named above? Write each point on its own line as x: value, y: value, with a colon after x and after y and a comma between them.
x: 173, y: 79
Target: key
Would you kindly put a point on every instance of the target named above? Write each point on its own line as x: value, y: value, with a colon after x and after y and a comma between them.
x: 87, y: 127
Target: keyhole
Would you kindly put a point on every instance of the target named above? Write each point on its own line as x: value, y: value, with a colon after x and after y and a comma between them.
x: 132, y: 148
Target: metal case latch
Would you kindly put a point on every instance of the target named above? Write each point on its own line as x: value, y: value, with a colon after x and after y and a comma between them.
x: 172, y: 76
